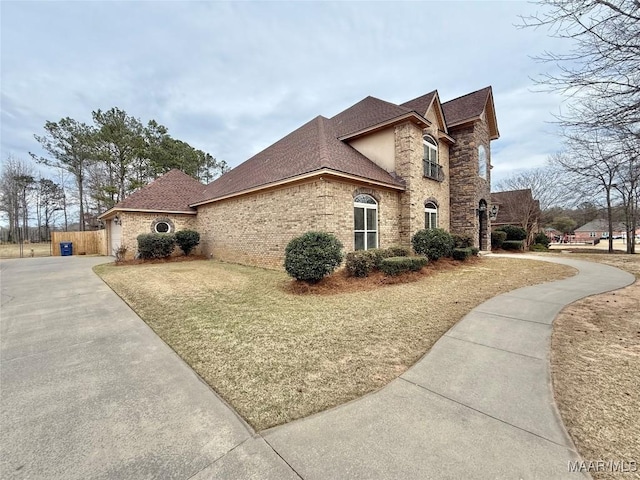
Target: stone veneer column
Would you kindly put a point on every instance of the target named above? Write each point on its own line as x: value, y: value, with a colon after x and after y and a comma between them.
x: 409, y: 152
x: 467, y: 188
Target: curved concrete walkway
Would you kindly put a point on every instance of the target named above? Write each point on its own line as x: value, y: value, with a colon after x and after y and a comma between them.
x: 479, y: 405
x: 89, y: 391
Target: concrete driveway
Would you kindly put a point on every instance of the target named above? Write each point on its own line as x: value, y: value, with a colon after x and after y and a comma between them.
x: 88, y: 390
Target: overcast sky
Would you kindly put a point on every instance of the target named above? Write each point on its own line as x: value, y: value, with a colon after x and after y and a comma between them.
x: 231, y: 78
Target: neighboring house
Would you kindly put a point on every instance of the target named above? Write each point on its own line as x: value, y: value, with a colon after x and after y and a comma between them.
x: 373, y: 175
x: 516, y: 207
x: 598, y: 229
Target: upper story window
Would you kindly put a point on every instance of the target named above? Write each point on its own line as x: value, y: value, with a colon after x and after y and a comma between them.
x: 430, y: 159
x: 365, y: 222
x: 482, y: 162
x: 430, y: 215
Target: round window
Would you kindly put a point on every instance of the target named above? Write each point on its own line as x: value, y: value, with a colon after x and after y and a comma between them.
x: 162, y: 227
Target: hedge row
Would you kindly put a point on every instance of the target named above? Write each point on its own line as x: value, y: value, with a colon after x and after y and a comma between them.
x: 361, y: 262
x: 161, y: 245
x: 398, y: 265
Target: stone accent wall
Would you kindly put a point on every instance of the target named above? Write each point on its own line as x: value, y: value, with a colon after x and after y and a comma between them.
x: 419, y: 189
x: 468, y: 189
x: 135, y: 223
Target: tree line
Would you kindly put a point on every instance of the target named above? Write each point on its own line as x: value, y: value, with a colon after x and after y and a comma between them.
x: 600, y: 79
x: 97, y: 166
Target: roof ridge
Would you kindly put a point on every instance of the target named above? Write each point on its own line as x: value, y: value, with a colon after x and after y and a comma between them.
x: 468, y: 94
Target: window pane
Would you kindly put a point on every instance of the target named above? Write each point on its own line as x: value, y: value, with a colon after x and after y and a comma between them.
x: 359, y: 241
x: 372, y: 223
x: 426, y: 221
x: 372, y: 240
x: 358, y: 218
x: 434, y: 220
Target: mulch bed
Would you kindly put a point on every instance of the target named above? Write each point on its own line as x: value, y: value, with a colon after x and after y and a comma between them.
x: 341, y: 282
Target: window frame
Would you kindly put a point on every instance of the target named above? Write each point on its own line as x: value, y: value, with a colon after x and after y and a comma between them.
x: 430, y: 158
x: 372, y: 204
x: 431, y: 208
x: 483, y: 164
x: 162, y: 222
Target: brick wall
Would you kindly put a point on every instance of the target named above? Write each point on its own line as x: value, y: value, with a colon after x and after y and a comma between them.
x: 419, y: 189
x: 133, y: 224
x: 255, y: 229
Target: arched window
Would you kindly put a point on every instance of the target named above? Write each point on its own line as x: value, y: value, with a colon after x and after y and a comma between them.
x: 365, y: 222
x: 482, y: 162
x: 430, y: 158
x: 430, y: 215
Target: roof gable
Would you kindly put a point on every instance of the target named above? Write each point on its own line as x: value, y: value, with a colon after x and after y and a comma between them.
x: 470, y: 107
x: 172, y: 192
x: 424, y: 103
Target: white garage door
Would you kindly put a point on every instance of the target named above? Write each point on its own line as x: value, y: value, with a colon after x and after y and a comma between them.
x: 116, y: 235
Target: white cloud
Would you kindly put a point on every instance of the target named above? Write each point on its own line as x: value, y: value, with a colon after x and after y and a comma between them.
x: 232, y: 78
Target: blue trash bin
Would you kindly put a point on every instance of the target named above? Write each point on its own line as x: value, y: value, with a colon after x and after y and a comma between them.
x: 66, y: 249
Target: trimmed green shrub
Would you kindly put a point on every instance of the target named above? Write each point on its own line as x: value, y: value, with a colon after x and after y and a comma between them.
x: 513, y: 245
x: 360, y: 263
x: 156, y: 245
x: 433, y: 243
x: 538, y: 247
x: 398, y: 265
x: 312, y: 256
x: 513, y: 232
x: 462, y: 241
x: 398, y: 251
x: 461, y: 253
x: 187, y: 240
x: 475, y: 251
x: 498, y: 237
x: 542, y: 239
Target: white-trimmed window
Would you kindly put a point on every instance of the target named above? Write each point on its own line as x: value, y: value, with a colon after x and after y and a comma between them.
x: 482, y: 162
x: 430, y: 158
x: 365, y: 222
x: 430, y: 215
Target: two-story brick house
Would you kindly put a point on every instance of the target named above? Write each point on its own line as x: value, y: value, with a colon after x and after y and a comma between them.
x: 373, y: 175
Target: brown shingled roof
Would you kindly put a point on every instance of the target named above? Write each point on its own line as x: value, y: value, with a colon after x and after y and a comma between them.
x: 366, y: 113
x: 172, y: 192
x: 467, y: 107
x: 420, y: 104
x: 310, y: 148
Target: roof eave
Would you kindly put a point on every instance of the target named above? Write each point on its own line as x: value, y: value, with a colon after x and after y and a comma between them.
x: 114, y: 210
x: 297, y: 178
x: 418, y: 119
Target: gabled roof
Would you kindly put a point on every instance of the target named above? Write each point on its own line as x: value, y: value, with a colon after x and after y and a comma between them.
x: 311, y: 148
x: 470, y: 107
x: 513, y: 203
x: 172, y: 192
x: 422, y: 104
x: 600, y: 225
x: 370, y: 113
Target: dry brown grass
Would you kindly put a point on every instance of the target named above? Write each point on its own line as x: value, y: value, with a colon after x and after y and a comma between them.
x: 12, y: 250
x: 595, y: 361
x: 277, y: 356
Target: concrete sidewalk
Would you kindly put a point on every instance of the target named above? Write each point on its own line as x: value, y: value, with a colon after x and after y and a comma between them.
x: 89, y: 391
x: 479, y: 405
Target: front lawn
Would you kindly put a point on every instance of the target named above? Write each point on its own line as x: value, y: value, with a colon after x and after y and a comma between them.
x: 276, y: 356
